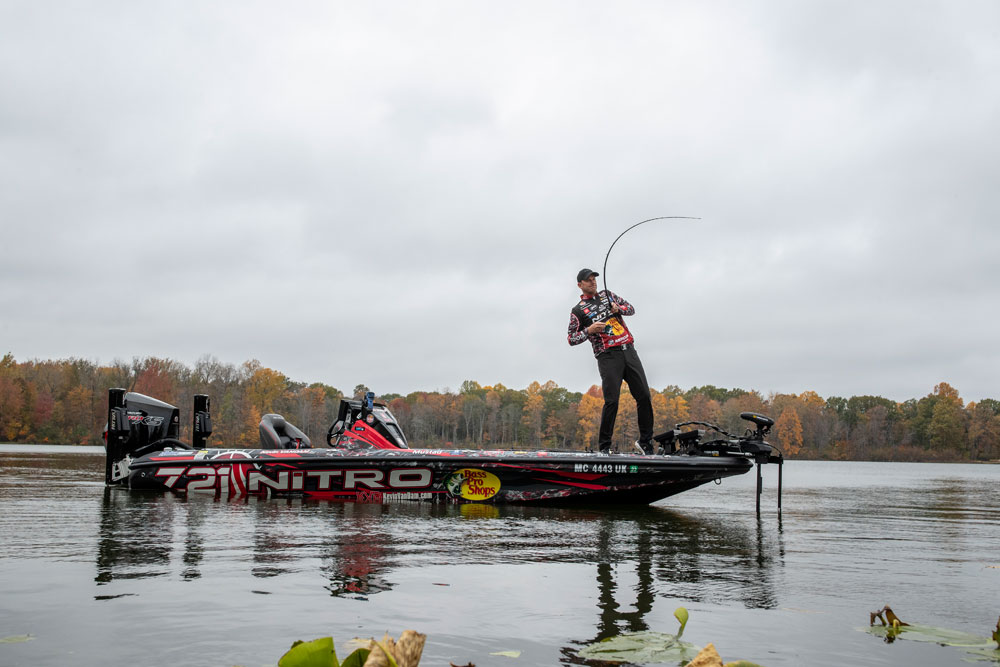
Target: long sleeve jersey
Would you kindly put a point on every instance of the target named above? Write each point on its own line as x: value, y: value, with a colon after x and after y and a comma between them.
x: 598, y: 309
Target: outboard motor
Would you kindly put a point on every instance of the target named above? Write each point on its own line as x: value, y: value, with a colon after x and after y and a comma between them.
x: 276, y: 433
x: 137, y: 425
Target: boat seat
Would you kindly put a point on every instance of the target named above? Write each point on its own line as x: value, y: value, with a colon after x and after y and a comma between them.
x: 276, y: 433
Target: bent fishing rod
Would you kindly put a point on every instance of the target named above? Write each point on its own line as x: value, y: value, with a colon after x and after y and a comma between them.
x: 604, y: 269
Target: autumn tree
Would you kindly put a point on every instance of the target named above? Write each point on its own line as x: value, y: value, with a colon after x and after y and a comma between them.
x: 11, y: 399
x: 788, y: 432
x: 588, y: 414
x: 984, y: 429
x: 532, y: 415
x: 947, y: 426
x: 65, y: 401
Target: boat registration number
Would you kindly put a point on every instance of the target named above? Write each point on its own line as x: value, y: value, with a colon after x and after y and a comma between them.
x: 605, y: 467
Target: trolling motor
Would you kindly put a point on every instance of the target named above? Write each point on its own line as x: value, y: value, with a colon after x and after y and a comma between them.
x: 751, y: 445
x: 763, y: 452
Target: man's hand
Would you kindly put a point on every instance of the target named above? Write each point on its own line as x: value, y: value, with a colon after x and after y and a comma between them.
x: 594, y: 328
x: 614, y: 308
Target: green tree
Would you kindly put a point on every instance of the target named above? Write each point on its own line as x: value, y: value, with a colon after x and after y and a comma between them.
x: 947, y: 425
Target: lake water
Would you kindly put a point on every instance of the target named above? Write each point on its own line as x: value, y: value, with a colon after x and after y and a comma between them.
x: 106, y: 576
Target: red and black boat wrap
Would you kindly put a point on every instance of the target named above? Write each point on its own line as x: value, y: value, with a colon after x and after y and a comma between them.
x: 368, y: 460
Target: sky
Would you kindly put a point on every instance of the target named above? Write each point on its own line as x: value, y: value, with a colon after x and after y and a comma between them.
x: 400, y: 194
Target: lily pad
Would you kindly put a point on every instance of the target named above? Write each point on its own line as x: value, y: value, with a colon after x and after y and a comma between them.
x: 16, y: 639
x: 317, y: 653
x: 508, y: 654
x: 930, y: 634
x: 357, y: 658
x: 983, y: 655
x: 641, y: 647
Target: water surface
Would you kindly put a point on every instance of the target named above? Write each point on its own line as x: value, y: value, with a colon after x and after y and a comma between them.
x: 106, y: 576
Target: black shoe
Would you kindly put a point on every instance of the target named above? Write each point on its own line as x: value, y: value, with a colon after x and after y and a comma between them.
x: 645, y: 447
x: 605, y: 451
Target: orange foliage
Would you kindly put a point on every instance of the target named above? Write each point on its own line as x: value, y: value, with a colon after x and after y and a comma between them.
x: 788, y: 432
x: 589, y: 418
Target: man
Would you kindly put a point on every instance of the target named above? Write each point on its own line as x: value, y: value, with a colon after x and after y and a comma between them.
x: 599, y: 318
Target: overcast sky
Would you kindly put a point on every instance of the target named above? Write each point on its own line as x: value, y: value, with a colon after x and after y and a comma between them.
x: 400, y: 194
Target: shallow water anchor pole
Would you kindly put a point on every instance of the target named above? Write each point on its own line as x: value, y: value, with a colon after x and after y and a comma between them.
x: 760, y: 485
x: 781, y: 464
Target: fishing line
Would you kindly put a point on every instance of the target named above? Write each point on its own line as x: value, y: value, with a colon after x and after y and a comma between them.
x: 604, y: 269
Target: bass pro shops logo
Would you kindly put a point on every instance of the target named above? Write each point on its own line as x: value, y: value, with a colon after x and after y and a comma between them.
x: 472, y: 484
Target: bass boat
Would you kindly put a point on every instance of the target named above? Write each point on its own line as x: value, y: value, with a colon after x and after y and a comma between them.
x: 366, y: 458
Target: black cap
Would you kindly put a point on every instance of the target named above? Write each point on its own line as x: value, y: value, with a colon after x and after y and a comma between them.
x: 584, y: 274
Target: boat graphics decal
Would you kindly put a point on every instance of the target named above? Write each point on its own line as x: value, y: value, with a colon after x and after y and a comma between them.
x: 472, y: 484
x: 249, y: 478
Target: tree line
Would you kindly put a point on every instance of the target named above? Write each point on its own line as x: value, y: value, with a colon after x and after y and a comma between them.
x: 65, y: 402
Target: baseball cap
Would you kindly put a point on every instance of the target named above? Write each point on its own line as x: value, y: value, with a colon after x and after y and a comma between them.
x: 584, y: 274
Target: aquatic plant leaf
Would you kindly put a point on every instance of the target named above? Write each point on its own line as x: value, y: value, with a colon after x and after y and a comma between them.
x: 357, y: 658
x: 889, y: 618
x: 356, y: 643
x: 707, y: 657
x: 681, y: 614
x: 983, y: 655
x: 640, y: 647
x: 409, y: 648
x: 508, y: 654
x: 16, y: 639
x: 317, y: 653
x: 892, y: 618
x: 930, y: 634
x: 996, y: 634
x: 382, y: 653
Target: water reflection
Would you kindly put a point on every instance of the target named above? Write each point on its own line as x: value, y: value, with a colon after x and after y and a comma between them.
x: 661, y: 553
x: 613, y: 619
x: 929, y: 530
x: 135, y: 536
x: 721, y: 559
x: 356, y: 560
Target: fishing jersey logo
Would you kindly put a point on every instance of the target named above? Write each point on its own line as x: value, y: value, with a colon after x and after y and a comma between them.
x: 599, y: 310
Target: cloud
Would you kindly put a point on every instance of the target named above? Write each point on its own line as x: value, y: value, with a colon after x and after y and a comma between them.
x: 399, y: 194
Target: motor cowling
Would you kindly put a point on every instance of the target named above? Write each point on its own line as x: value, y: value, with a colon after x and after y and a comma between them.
x: 135, y: 421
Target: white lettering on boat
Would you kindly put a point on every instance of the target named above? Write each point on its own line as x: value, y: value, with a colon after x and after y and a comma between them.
x: 210, y: 478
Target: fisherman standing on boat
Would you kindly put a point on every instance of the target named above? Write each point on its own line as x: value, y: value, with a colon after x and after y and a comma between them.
x: 599, y: 318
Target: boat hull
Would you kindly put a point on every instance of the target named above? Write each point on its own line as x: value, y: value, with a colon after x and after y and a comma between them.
x: 451, y: 476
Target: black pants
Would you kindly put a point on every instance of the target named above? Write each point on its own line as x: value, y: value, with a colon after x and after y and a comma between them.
x: 617, y: 364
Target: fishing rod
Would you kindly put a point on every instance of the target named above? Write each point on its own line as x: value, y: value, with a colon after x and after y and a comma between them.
x: 604, y: 269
